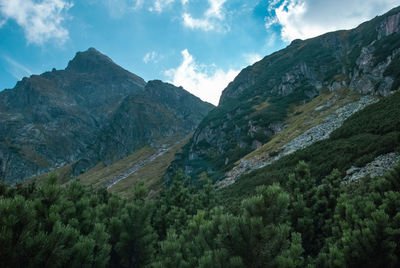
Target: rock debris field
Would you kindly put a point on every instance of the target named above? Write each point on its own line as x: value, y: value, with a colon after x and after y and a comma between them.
x: 374, y: 169
x: 314, y: 134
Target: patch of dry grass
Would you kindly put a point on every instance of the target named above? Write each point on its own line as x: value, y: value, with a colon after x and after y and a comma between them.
x: 304, y: 117
x: 150, y: 174
x: 101, y: 174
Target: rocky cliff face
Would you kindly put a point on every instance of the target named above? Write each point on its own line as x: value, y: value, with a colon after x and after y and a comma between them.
x: 146, y: 117
x: 59, y: 117
x: 365, y: 59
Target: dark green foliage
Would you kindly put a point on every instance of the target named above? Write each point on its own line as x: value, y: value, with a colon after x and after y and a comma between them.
x: 180, y: 201
x: 72, y: 226
x: 365, y: 224
x: 258, y: 236
x: 303, y: 224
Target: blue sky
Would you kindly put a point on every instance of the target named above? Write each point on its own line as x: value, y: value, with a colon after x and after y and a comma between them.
x: 198, y: 44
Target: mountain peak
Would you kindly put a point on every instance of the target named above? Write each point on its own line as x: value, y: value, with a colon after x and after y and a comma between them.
x: 88, y: 61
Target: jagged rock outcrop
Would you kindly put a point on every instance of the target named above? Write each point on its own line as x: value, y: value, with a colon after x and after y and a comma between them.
x: 364, y: 59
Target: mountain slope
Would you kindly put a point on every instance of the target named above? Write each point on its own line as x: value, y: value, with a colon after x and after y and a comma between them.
x: 147, y: 117
x: 254, y: 106
x: 366, y: 137
x: 48, y: 120
x: 60, y: 117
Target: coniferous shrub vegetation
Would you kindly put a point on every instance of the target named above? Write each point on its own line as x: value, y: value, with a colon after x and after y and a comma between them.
x: 300, y: 223
x: 296, y: 212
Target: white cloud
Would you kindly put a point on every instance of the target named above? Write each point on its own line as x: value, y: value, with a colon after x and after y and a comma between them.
x: 16, y: 69
x: 203, y: 24
x: 252, y: 58
x: 210, y: 21
x: 159, y: 5
x: 206, y: 82
x: 41, y: 20
x: 309, y: 18
x: 151, y: 57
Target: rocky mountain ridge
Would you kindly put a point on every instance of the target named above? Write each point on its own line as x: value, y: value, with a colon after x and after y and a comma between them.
x: 63, y: 116
x: 146, y: 117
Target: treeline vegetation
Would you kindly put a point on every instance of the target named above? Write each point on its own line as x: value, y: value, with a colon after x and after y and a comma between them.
x: 300, y: 223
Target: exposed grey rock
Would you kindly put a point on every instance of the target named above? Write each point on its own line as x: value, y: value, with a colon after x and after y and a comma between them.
x: 323, y: 107
x: 368, y: 77
x: 374, y: 169
x: 352, y: 170
x: 314, y: 134
x: 336, y: 85
x: 389, y: 26
x: 116, y: 179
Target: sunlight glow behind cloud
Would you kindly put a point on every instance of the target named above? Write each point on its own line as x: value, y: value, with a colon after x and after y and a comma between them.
x: 206, y: 82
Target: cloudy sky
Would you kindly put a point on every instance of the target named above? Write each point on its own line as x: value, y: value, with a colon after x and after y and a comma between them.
x: 198, y: 44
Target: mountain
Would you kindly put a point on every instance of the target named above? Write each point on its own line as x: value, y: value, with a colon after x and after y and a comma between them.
x: 257, y: 105
x: 161, y: 110
x: 315, y: 130
x: 59, y: 117
x: 146, y: 117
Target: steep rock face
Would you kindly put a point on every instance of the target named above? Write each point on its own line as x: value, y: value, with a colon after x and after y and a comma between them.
x: 150, y: 116
x: 365, y: 59
x: 49, y: 120
x: 160, y: 111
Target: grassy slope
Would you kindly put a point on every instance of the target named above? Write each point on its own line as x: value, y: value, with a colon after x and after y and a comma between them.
x: 367, y: 134
x: 304, y: 117
x: 64, y: 175
x: 101, y: 174
x: 150, y: 174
